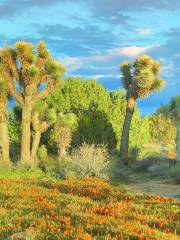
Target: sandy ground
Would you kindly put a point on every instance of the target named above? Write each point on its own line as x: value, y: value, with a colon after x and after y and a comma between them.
x: 155, y: 188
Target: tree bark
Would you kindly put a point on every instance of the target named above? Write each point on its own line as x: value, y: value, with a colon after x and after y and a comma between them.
x: 5, y: 138
x: 124, y: 146
x: 35, y: 146
x: 26, y: 132
x: 61, y: 151
x: 178, y: 142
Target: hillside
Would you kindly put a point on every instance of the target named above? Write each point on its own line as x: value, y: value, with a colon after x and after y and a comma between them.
x: 83, y: 209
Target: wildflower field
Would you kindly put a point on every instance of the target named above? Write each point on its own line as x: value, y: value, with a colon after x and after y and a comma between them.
x: 83, y: 210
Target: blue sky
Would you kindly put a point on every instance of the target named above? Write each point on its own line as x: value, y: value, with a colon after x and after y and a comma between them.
x: 92, y: 37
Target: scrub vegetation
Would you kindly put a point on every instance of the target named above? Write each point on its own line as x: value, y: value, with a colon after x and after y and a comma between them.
x: 74, y: 148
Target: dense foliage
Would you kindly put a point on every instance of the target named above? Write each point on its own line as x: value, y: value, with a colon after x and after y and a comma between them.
x: 172, y: 110
x: 162, y: 129
x: 93, y: 114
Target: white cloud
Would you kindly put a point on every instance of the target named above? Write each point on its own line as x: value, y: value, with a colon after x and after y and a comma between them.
x: 133, y: 51
x: 104, y: 76
x: 144, y: 31
x: 74, y: 63
x: 115, y: 17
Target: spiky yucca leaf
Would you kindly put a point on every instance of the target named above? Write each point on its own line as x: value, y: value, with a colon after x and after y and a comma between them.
x: 147, y: 72
x: 156, y: 68
x: 142, y: 93
x: 24, y: 51
x: 33, y: 71
x: 157, y: 85
x: 126, y: 74
x: 142, y: 62
x: 144, y: 78
x: 141, y: 78
x: 42, y: 50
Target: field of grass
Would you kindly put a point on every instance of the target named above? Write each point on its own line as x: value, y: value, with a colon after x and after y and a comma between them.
x: 32, y: 208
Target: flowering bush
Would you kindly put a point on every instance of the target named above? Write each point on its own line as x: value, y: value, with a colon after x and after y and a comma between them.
x: 83, y: 210
x: 90, y: 160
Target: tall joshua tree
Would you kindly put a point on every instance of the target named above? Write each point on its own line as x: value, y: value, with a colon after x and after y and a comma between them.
x: 25, y: 68
x: 139, y: 79
x: 175, y: 113
x: 4, y: 122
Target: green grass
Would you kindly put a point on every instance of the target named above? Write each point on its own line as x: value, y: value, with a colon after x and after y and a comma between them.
x: 19, y: 173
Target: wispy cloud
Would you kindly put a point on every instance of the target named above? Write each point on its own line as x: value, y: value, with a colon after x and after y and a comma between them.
x: 98, y: 76
x: 144, y: 31
x: 74, y: 63
x: 132, y: 51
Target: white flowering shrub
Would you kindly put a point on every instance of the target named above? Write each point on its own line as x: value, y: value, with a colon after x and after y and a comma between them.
x: 90, y: 161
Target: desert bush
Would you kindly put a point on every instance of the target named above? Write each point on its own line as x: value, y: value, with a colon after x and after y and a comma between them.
x: 134, y: 154
x: 151, y: 160
x: 118, y: 171
x: 162, y: 128
x: 61, y: 168
x: 165, y: 170
x: 158, y: 169
x: 85, y: 161
x: 173, y: 173
x: 90, y: 160
x: 160, y: 164
x: 14, y: 153
x: 58, y: 168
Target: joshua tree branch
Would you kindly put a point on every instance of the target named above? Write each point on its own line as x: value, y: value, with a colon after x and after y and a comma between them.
x: 13, y: 90
x: 43, y: 93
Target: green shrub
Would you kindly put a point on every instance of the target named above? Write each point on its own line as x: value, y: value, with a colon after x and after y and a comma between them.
x: 134, y: 154
x: 162, y: 129
x: 158, y: 169
x: 42, y: 153
x: 151, y: 160
x: 173, y: 173
x: 61, y: 168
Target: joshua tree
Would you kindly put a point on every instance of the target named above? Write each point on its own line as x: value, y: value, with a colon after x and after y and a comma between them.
x: 4, y: 122
x: 62, y: 132
x: 27, y: 69
x: 139, y: 79
x: 175, y: 113
x: 39, y: 127
x: 63, y: 138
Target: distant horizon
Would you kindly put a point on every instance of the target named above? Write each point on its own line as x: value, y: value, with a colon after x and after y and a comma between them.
x: 91, y: 38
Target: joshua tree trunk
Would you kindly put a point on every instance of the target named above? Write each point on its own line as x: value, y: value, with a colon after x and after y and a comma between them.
x: 178, y: 142
x: 61, y: 151
x: 124, y: 147
x: 26, y: 132
x: 5, y: 138
x: 35, y: 146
